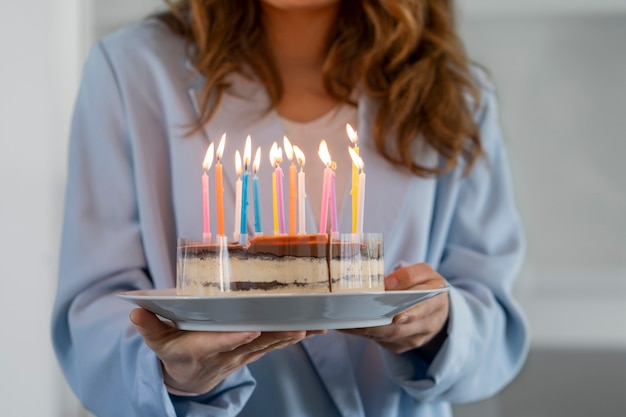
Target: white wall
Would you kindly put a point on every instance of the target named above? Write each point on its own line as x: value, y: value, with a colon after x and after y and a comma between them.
x: 560, y: 79
x: 39, y: 42
x: 499, y: 8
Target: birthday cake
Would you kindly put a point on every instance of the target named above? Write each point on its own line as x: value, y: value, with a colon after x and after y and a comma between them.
x: 280, y: 264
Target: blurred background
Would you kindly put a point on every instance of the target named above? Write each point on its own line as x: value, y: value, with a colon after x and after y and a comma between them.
x: 559, y: 68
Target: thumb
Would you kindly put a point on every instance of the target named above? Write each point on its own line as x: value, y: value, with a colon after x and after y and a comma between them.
x: 149, y: 326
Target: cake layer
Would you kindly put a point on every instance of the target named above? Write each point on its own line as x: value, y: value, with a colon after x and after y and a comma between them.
x: 282, y: 264
x: 268, y: 264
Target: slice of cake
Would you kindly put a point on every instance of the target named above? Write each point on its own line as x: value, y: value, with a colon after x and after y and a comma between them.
x: 292, y: 264
x: 356, y: 265
x: 206, y: 269
x: 267, y: 264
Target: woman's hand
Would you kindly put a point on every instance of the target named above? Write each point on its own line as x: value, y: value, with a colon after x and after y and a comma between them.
x: 421, y: 326
x: 196, y: 362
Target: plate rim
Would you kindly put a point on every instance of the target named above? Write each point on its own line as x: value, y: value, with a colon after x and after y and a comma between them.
x: 140, y: 294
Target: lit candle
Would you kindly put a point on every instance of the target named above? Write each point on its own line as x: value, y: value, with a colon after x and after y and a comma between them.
x: 247, y: 152
x: 301, y: 191
x: 327, y: 190
x: 273, y: 156
x: 354, y: 191
x: 358, y: 161
x: 255, y: 191
x: 279, y: 192
x: 333, y: 200
x: 292, y: 186
x: 219, y: 187
x: 206, y: 206
x: 237, y: 196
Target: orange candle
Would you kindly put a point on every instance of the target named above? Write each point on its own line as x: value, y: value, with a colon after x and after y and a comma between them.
x: 293, y: 196
x: 219, y: 187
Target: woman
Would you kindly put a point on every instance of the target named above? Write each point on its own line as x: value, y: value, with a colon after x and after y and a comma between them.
x: 154, y: 95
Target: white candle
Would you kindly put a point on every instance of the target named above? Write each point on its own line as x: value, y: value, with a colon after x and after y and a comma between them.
x: 206, y: 205
x: 301, y: 192
x: 237, y: 197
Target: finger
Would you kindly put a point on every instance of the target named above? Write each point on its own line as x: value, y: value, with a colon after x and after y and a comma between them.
x: 149, y: 325
x: 413, y: 276
x: 314, y: 332
x: 421, y: 320
x: 268, y: 339
x: 157, y: 333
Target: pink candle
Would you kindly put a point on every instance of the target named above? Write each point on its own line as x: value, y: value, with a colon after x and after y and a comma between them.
x: 279, y: 192
x: 206, y: 206
x: 333, y: 202
x: 326, y: 185
x: 239, y: 170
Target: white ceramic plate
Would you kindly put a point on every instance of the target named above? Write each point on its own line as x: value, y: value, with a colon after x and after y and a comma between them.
x: 278, y: 311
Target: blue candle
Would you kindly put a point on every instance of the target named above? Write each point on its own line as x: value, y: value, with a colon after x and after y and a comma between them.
x: 244, y: 203
x: 255, y: 190
x: 257, y: 210
x: 244, y: 188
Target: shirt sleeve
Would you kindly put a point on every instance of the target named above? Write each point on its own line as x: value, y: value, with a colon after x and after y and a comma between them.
x: 487, y: 340
x: 102, y: 355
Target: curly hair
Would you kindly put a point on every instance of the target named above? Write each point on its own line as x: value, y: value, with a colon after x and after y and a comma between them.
x: 404, y: 53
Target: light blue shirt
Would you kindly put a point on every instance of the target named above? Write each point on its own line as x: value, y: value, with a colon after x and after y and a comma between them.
x: 134, y: 187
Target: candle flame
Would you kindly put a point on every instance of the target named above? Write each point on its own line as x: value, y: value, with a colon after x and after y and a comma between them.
x: 352, y: 135
x: 247, y: 152
x: 257, y: 160
x: 238, y: 163
x: 276, y: 155
x: 208, y: 158
x: 279, y: 155
x: 356, y: 159
x: 220, y: 148
x: 288, y: 148
x: 299, y: 156
x: 324, y: 154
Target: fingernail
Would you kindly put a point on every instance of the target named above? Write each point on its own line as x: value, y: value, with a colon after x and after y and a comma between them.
x: 402, y: 319
x: 250, y: 337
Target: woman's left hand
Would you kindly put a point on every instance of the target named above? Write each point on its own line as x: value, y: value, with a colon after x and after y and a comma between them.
x: 419, y: 325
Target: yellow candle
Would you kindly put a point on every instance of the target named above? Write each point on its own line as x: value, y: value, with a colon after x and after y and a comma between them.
x: 354, y: 191
x: 358, y: 162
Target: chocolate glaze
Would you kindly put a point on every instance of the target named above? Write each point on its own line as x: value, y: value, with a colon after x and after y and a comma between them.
x: 312, y: 246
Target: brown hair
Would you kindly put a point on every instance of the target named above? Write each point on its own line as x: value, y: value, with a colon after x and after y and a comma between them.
x: 404, y: 53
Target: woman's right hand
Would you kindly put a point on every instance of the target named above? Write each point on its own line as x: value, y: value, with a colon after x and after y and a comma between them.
x: 196, y: 362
